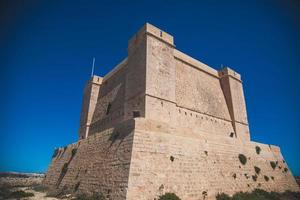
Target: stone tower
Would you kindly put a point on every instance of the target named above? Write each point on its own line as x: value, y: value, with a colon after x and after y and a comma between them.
x: 160, y: 122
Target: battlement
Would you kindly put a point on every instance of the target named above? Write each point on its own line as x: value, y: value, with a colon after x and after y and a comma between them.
x: 153, y: 31
x: 96, y: 79
x: 226, y: 71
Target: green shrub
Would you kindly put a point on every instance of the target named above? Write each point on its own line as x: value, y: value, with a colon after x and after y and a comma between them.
x: 76, y: 186
x: 95, y: 196
x: 223, y: 197
x: 273, y: 164
x: 254, y: 177
x: 169, y: 196
x: 74, y: 151
x: 257, y: 170
x: 172, y: 158
x: 243, y: 159
x: 285, y: 170
x: 258, y: 149
x: 266, y: 178
x: 234, y: 175
x: 65, y: 168
x: 259, y: 194
x: 39, y: 188
x: 20, y: 194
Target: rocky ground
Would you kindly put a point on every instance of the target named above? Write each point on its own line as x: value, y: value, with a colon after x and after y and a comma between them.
x: 22, y: 186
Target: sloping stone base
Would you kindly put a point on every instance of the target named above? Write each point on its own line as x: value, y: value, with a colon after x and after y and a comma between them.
x: 142, y: 159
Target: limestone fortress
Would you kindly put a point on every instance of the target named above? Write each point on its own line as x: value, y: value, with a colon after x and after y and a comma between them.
x: 160, y: 122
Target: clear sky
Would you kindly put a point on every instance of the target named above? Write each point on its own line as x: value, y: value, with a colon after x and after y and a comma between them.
x: 46, y: 50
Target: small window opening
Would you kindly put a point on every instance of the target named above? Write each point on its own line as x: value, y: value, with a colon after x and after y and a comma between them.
x: 108, y: 108
x: 136, y: 114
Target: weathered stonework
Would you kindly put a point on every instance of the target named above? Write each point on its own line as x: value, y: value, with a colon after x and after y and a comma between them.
x: 160, y: 122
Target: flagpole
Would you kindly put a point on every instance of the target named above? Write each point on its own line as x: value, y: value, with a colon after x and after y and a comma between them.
x: 93, y: 67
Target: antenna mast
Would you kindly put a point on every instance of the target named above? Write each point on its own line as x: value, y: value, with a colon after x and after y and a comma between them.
x: 93, y: 67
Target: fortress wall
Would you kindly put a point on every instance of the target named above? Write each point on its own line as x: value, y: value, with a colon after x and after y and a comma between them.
x: 203, y: 123
x: 112, y: 91
x: 198, y: 91
x: 195, y: 166
x: 200, y: 102
x: 100, y: 164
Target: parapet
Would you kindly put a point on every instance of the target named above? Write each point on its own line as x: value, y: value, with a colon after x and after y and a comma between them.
x: 149, y: 29
x: 96, y: 79
x: 226, y: 71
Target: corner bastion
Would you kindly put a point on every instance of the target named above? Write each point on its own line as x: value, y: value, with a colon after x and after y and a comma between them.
x: 162, y: 121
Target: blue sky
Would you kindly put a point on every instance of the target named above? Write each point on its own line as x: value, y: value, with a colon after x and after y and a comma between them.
x: 46, y: 50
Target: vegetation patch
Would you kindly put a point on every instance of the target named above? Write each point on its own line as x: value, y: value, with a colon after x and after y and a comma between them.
x: 258, y: 149
x: 40, y: 188
x: 74, y: 151
x: 76, y: 186
x: 234, y: 175
x: 259, y: 194
x: 206, y: 153
x: 254, y: 177
x: 243, y: 159
x: 172, y: 158
x: 285, y: 170
x: 273, y: 164
x: 6, y: 193
x: 266, y: 178
x: 169, y: 196
x: 257, y: 169
x: 95, y: 196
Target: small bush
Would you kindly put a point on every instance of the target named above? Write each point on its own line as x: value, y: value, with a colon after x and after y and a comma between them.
x: 39, y: 188
x: 254, y: 177
x: 223, y: 197
x: 273, y: 164
x: 169, y: 196
x: 285, y: 170
x: 95, y: 196
x: 234, y: 175
x: 243, y: 159
x: 76, y: 186
x: 58, y: 193
x: 74, y: 151
x: 172, y: 158
x: 259, y: 194
x: 258, y: 149
x: 266, y: 178
x: 206, y: 153
x: 257, y: 170
x: 65, y: 168
x: 20, y: 194
x: 231, y: 134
